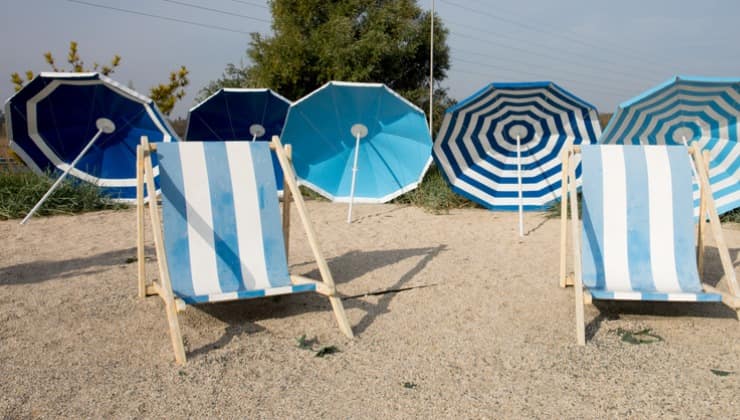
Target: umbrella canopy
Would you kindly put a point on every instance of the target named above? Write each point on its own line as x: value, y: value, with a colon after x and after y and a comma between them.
x: 239, y: 114
x: 689, y: 110
x: 55, y: 117
x: 480, y: 138
x: 392, y: 154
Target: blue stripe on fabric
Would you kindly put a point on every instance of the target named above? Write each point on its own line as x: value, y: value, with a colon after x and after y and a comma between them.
x: 225, y: 237
x: 272, y: 233
x: 174, y: 215
x: 638, y: 219
x: 683, y: 220
x: 248, y: 294
x: 657, y: 297
x: 593, y: 218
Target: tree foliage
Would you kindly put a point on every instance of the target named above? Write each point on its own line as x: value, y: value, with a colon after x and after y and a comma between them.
x: 165, y: 95
x: 316, y: 41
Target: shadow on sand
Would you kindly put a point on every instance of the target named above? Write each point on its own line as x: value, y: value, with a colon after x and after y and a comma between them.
x: 241, y: 315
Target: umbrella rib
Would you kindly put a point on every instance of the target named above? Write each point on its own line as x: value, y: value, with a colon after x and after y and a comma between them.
x: 228, y: 116
x: 208, y: 126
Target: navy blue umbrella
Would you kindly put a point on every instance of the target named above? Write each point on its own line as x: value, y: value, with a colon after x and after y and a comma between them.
x: 85, y: 125
x: 239, y: 114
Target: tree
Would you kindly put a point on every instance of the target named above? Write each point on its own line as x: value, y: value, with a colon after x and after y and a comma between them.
x: 165, y: 95
x: 316, y: 41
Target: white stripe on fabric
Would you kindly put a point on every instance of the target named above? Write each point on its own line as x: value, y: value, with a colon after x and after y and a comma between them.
x: 682, y: 297
x: 616, y: 259
x: 662, y: 251
x: 200, y: 220
x: 246, y: 209
x: 627, y: 296
x: 284, y: 290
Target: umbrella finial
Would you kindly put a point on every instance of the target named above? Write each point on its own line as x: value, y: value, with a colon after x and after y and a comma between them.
x: 105, y: 125
x: 256, y: 130
x: 358, y: 130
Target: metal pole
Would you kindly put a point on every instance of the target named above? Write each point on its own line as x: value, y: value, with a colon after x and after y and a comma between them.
x: 431, y: 73
x: 354, y: 178
x: 519, y: 176
x: 59, y: 180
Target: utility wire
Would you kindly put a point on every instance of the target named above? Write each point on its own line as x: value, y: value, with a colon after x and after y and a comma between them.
x: 519, y: 71
x: 587, y: 59
x: 264, y: 6
x: 223, y: 12
x: 551, y: 32
x: 167, y: 18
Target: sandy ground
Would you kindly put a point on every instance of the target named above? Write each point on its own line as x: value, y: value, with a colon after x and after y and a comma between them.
x: 480, y: 329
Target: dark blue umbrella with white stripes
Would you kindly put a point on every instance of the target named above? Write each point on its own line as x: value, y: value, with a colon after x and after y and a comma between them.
x: 501, y: 146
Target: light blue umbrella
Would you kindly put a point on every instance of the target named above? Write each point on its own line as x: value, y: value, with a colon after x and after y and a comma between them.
x: 358, y: 142
x: 685, y: 111
x: 85, y: 125
x: 239, y: 114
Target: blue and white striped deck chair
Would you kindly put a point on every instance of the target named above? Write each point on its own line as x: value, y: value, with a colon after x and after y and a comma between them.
x: 639, y: 237
x: 223, y: 237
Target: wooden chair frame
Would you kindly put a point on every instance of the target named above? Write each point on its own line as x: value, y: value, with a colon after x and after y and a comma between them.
x: 706, y: 206
x: 163, y: 286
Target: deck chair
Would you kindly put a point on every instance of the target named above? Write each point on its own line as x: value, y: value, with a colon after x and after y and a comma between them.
x: 222, y: 237
x: 639, y: 240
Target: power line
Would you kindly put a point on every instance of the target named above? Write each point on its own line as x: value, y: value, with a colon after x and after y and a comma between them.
x: 223, y: 12
x: 167, y: 18
x: 557, y: 58
x: 542, y: 30
x: 519, y: 71
x: 264, y: 6
x: 487, y: 79
x: 584, y: 57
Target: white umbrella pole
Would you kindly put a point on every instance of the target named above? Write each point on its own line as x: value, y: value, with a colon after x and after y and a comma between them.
x: 354, y: 178
x: 61, y: 178
x: 519, y: 176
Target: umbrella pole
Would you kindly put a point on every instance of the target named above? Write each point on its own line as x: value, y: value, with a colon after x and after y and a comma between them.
x: 354, y: 178
x: 693, y: 169
x: 519, y: 177
x: 61, y: 178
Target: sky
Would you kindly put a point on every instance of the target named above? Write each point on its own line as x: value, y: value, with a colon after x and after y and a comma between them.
x: 604, y: 52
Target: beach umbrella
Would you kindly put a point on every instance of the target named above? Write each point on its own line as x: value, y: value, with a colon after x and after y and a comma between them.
x: 358, y: 142
x: 685, y: 111
x: 239, y: 114
x: 501, y: 146
x: 85, y: 125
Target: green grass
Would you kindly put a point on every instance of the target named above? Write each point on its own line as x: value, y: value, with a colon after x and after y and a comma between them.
x: 21, y: 189
x: 732, y: 216
x: 435, y: 195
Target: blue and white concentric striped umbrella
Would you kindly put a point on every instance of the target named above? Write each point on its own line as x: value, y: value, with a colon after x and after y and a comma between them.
x: 686, y: 111
x: 85, y: 124
x: 501, y: 146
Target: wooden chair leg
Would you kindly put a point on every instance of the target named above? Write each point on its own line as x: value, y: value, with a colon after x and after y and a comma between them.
x: 166, y: 287
x: 140, y: 221
x: 341, y: 316
x: 575, y: 231
x: 564, y: 217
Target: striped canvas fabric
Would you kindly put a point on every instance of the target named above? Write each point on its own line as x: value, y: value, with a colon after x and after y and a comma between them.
x: 638, y: 225
x: 222, y: 229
